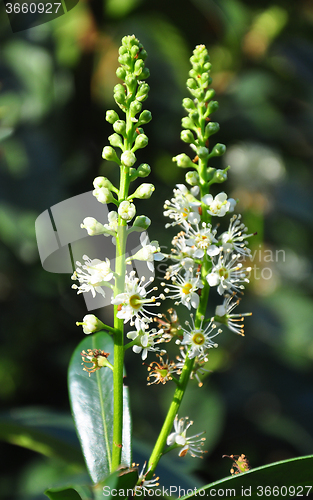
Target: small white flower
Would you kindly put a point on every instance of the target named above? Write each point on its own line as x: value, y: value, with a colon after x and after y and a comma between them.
x: 228, y: 275
x: 148, y: 253
x: 127, y: 210
x: 202, y: 239
x: 185, y: 289
x: 219, y: 206
x: 132, y: 302
x: 146, y: 340
x: 199, y: 339
x: 92, y: 275
x: 224, y: 316
x: 198, y: 365
x: 192, y: 445
x: 235, y: 237
x: 144, y: 483
x: 183, y: 208
x: 182, y: 254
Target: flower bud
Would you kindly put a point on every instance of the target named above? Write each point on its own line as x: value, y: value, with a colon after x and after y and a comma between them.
x: 209, y: 94
x: 199, y: 94
x: 111, y: 116
x: 92, y: 226
x: 120, y: 127
x: 183, y: 161
x: 135, y: 107
x: 103, y: 195
x: 144, y: 117
x: 218, y: 150
x: 220, y: 176
x: 91, y: 324
x: 212, y: 106
x: 131, y: 81
x: 116, y: 141
x: 192, y: 178
x: 187, y: 122
x: 203, y: 152
x: 188, y: 104
x: 141, y: 141
x: 139, y: 66
x: 128, y: 158
x: 109, y: 154
x: 143, y: 170
x: 192, y: 84
x: 144, y: 191
x: 126, y: 210
x: 210, y: 129
x: 134, y: 50
x: 144, y: 74
x: 141, y: 223
x: 121, y: 73
x: 100, y: 182
x: 142, y: 92
x: 125, y: 59
x: 187, y: 136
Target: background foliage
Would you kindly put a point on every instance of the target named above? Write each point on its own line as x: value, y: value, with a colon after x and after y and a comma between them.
x: 55, y: 85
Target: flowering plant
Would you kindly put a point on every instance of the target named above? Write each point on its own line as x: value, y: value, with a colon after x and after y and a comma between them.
x: 202, y: 258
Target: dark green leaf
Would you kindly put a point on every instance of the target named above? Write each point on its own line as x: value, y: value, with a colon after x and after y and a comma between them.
x: 69, y: 493
x: 117, y: 484
x: 92, y: 406
x: 288, y: 478
x: 45, y: 432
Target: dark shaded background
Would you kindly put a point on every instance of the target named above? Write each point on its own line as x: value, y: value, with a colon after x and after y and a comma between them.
x: 56, y: 83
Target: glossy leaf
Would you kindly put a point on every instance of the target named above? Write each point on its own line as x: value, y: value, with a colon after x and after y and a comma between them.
x: 48, y: 433
x: 92, y: 406
x: 288, y: 478
x: 69, y: 493
x: 117, y: 484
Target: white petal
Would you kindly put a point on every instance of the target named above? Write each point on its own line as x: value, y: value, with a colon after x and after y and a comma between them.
x: 213, y: 279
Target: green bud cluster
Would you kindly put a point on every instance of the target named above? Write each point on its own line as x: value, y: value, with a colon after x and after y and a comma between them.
x: 197, y: 126
x: 128, y: 136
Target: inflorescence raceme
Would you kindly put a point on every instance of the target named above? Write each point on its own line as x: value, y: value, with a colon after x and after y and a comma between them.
x: 202, y: 258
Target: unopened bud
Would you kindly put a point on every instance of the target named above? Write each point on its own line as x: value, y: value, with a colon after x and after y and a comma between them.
x: 212, y: 106
x: 218, y: 150
x: 220, y: 176
x: 141, y: 223
x: 121, y: 73
x: 120, y: 127
x: 142, y: 92
x: 103, y: 195
x: 139, y: 66
x: 187, y: 136
x: 109, y: 154
x: 188, y: 104
x: 192, y: 84
x: 92, y: 226
x: 135, y: 107
x: 116, y: 141
x: 144, y: 191
x: 192, y: 178
x: 100, y: 182
x: 128, y: 158
x: 127, y: 210
x: 144, y: 117
x: 143, y: 170
x: 187, y: 122
x: 210, y: 129
x: 141, y: 141
x: 203, y: 152
x: 183, y: 161
x: 111, y: 116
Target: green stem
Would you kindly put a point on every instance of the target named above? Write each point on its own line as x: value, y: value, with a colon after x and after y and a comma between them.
x: 172, y: 412
x: 120, y: 270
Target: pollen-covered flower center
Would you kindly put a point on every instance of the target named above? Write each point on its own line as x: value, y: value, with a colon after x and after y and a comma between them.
x: 223, y: 272
x: 186, y: 288
x: 202, y: 241
x: 198, y: 338
x: 135, y: 301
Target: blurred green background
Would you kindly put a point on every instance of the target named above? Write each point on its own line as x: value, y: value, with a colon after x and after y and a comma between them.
x: 56, y: 83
